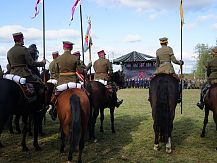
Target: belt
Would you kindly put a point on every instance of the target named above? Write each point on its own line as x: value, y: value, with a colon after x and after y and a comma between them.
x: 101, y: 73
x: 164, y: 62
x: 67, y: 73
x: 21, y: 65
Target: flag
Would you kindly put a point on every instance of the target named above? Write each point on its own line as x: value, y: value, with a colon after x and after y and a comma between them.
x: 88, y: 39
x: 181, y: 14
x: 36, y: 8
x: 74, y: 7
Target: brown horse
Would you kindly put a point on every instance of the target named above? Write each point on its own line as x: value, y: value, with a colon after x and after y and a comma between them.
x: 100, y: 98
x: 73, y: 110
x: 210, y: 104
x: 163, y: 99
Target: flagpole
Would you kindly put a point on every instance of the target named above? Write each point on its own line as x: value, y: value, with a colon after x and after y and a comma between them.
x: 90, y: 57
x: 43, y: 22
x: 82, y: 41
x: 181, y: 68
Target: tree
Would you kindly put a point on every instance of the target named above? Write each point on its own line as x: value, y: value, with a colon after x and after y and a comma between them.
x: 204, y: 55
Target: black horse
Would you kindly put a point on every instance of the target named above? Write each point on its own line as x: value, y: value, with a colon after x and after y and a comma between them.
x: 118, y: 78
x: 210, y: 104
x: 163, y: 99
x: 100, y: 98
x: 14, y: 102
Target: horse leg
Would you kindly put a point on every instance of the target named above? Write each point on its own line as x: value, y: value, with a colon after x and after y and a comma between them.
x: 215, y: 118
x: 11, y: 125
x: 101, y: 119
x: 81, y: 147
x: 30, y: 125
x: 168, y: 145
x: 156, y: 139
x: 23, y: 143
x: 62, y: 146
x: 95, y: 115
x: 36, y: 120
x: 112, y: 119
x: 17, y: 123
x: 205, y: 121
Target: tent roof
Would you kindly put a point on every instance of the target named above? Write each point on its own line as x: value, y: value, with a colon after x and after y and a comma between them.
x: 134, y: 57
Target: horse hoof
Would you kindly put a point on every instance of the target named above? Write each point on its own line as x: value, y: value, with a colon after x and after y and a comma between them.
x: 95, y: 140
x: 79, y: 161
x: 202, y: 135
x: 113, y: 131
x: 156, y: 147
x: 25, y: 149
x: 101, y: 130
x: 38, y: 148
x: 168, y: 150
x: 1, y: 146
x: 30, y: 134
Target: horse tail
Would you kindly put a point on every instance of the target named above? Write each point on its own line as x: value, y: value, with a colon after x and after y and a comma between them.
x: 76, y: 121
x: 162, y: 109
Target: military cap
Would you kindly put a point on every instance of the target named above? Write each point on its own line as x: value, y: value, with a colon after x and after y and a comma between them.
x: 214, y: 50
x: 33, y: 46
x: 101, y: 53
x: 77, y: 53
x: 55, y: 54
x: 67, y: 44
x: 163, y: 40
x: 18, y: 36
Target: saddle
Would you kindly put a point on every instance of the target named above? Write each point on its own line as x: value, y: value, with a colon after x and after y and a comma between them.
x: 173, y: 75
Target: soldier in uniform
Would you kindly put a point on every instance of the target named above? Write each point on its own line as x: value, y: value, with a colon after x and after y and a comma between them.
x: 103, y: 70
x: 53, y: 73
x: 34, y: 54
x: 164, y: 57
x: 212, y: 78
x: 20, y: 60
x: 67, y: 64
x: 83, y: 69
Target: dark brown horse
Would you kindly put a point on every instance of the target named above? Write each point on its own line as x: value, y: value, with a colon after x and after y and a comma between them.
x: 73, y: 110
x: 100, y: 98
x: 14, y: 102
x: 163, y: 99
x: 210, y: 104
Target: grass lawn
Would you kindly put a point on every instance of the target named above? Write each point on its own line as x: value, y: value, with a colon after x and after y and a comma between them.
x: 133, y: 140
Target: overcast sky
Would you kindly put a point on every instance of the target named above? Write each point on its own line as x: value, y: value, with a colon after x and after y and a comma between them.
x: 118, y: 26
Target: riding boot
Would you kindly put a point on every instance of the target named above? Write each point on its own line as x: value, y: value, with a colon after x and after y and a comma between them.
x: 53, y: 112
x: 200, y: 104
x: 118, y: 103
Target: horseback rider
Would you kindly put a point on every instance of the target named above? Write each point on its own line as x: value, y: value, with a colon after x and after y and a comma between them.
x: 83, y: 69
x: 20, y: 61
x: 34, y: 54
x: 212, y: 78
x: 103, y: 71
x: 53, y: 73
x: 163, y: 60
x: 66, y: 66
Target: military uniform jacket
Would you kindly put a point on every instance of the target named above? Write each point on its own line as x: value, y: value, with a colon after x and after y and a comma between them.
x: 163, y: 61
x: 212, y: 71
x: 66, y: 66
x: 20, y: 59
x: 53, y: 73
x: 102, y: 67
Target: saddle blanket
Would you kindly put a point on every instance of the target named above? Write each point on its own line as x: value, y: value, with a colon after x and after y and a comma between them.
x: 15, y: 78
x: 54, y: 81
x: 65, y: 86
x: 102, y: 81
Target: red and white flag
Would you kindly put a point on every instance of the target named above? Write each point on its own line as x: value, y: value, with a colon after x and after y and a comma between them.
x: 88, y: 39
x: 74, y: 7
x: 36, y: 8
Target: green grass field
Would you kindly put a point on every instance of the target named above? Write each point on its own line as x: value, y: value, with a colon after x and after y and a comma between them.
x: 133, y: 141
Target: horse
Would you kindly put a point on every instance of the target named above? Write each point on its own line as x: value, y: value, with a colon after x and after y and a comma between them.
x: 118, y: 78
x: 100, y: 98
x: 13, y: 101
x: 163, y: 93
x: 44, y: 75
x: 73, y: 110
x: 210, y: 104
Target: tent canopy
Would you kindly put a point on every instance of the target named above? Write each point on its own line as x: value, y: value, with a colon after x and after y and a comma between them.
x: 133, y: 57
